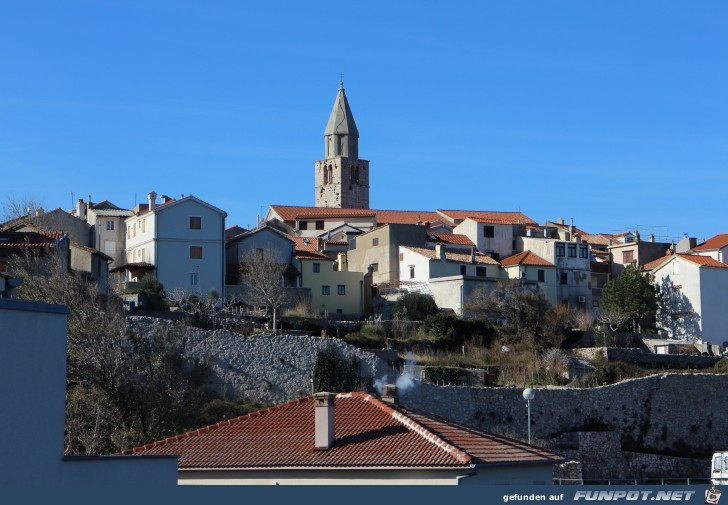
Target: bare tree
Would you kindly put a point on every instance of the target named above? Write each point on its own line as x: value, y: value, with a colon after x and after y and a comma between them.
x: 15, y: 207
x: 262, y: 279
x: 612, y: 317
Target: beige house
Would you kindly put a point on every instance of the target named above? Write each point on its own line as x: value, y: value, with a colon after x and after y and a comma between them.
x: 534, y: 270
x: 350, y: 438
x: 629, y: 248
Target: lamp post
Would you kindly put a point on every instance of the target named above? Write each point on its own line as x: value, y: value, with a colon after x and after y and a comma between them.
x: 528, y: 395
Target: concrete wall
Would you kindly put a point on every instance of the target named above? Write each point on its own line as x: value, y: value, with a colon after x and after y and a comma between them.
x: 32, y: 393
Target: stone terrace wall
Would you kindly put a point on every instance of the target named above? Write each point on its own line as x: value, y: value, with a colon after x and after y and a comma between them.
x: 266, y: 368
x: 648, y: 360
x: 682, y: 414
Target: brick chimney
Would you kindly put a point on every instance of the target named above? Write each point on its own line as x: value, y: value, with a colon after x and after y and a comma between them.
x: 389, y: 394
x: 324, y: 407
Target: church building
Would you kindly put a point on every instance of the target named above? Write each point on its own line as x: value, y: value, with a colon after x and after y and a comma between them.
x: 342, y: 179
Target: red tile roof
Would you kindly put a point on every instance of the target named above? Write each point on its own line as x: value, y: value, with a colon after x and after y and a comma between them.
x: 526, y: 258
x: 28, y: 239
x: 407, y: 216
x: 483, y: 216
x: 306, y: 248
x: 292, y: 213
x: 704, y: 261
x: 458, y: 256
x: 717, y: 242
x: 369, y: 433
x: 233, y: 232
x: 452, y: 238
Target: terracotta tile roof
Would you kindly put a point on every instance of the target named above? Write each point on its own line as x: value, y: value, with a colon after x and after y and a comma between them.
x: 458, y: 256
x: 595, y: 238
x: 717, y: 242
x: 133, y: 266
x: 28, y: 239
x: 233, y: 232
x: 656, y: 263
x: 292, y: 213
x: 369, y: 433
x: 451, y: 238
x: 306, y: 248
x: 407, y: 217
x: 484, y: 216
x: 525, y: 258
x: 703, y: 261
x: 91, y: 250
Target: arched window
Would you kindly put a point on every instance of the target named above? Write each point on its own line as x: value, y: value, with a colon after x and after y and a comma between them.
x: 326, y: 176
x: 356, y: 175
x: 331, y: 175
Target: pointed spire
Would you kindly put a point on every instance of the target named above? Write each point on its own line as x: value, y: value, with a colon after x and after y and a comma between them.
x: 341, y: 121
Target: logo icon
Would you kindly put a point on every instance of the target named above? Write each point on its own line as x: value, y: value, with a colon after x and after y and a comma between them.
x: 712, y: 496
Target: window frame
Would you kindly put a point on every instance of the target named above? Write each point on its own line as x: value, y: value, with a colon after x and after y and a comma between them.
x: 560, y: 250
x: 198, y: 221
x: 195, y: 248
x: 488, y: 231
x: 341, y: 289
x: 316, y: 268
x: 325, y: 290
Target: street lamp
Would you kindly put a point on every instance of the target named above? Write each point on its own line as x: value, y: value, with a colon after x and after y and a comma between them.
x: 528, y: 395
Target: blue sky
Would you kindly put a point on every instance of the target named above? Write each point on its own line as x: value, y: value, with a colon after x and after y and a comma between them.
x: 612, y: 113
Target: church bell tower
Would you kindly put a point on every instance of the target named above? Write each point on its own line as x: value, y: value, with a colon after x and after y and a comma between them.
x: 342, y: 179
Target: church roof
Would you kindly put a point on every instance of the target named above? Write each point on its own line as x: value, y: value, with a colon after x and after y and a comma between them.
x: 341, y: 121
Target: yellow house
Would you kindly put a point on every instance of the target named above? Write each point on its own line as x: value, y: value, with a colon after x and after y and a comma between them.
x: 533, y: 269
x: 334, y: 290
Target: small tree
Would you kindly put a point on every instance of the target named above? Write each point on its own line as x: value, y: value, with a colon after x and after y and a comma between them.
x: 415, y: 307
x: 262, y: 279
x: 632, y: 294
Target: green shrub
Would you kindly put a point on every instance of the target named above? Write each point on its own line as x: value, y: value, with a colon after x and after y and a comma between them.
x: 151, y: 293
x: 443, y: 374
x: 444, y: 326
x: 721, y: 366
x: 415, y: 307
x: 614, y: 371
x: 337, y: 374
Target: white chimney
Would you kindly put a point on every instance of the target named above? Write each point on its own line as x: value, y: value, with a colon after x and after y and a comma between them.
x: 324, y: 407
x: 472, y: 255
x: 81, y: 209
x: 440, y: 252
x: 343, y: 264
x: 152, y: 200
x: 389, y: 394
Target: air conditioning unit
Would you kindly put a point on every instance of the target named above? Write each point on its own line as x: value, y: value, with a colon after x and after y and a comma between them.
x: 582, y: 299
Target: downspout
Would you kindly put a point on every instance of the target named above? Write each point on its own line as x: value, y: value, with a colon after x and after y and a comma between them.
x: 156, y: 258
x: 224, y: 263
x: 460, y: 478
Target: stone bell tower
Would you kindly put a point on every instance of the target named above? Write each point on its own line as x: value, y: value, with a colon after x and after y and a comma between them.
x: 342, y: 179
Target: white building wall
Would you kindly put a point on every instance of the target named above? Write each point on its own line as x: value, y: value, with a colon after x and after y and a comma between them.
x: 501, y: 242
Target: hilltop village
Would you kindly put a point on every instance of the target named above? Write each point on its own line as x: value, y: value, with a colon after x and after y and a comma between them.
x: 442, y: 318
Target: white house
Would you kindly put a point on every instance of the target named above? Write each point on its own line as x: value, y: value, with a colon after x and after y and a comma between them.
x: 693, y: 297
x: 181, y: 241
x: 715, y: 247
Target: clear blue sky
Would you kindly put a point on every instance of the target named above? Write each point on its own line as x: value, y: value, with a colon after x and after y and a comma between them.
x: 614, y: 113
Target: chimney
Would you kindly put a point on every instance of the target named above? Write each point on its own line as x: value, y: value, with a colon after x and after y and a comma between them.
x: 81, y: 209
x: 560, y: 220
x: 39, y: 212
x: 319, y: 244
x: 440, y: 251
x: 529, y: 232
x: 652, y: 237
x: 152, y: 200
x: 343, y: 265
x: 472, y: 255
x: 389, y: 394
x: 324, y: 407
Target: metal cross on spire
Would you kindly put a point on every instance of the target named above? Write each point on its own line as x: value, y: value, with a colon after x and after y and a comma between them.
x: 341, y: 81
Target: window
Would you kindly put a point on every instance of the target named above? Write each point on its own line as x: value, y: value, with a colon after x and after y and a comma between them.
x: 128, y: 232
x: 481, y: 271
x: 195, y: 223
x: 541, y: 275
x: 412, y: 271
x: 195, y: 252
x: 143, y: 225
x: 401, y: 256
x: 583, y: 251
x: 303, y: 225
x: 110, y: 225
x: 134, y: 230
x: 375, y: 242
x: 341, y: 289
x: 144, y: 255
x: 316, y: 268
x: 194, y: 278
x: 564, y: 278
x: 488, y: 231
x: 560, y: 249
x: 325, y: 290
x: 627, y: 257
x: 375, y: 267
x: 572, y: 250
x: 319, y: 225
x: 463, y: 270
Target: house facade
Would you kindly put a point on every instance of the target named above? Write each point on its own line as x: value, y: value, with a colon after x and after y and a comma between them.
x: 184, y: 241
